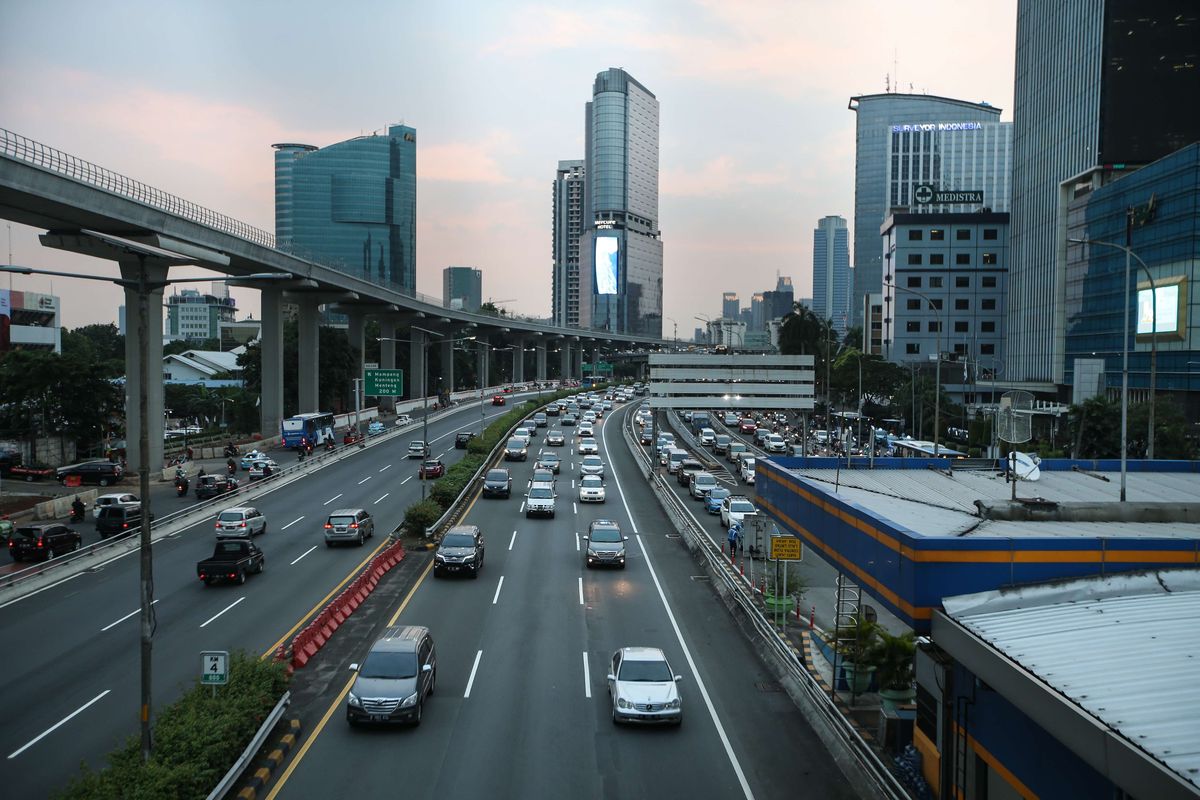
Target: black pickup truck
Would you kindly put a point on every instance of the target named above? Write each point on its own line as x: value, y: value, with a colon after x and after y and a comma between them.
x: 232, y: 560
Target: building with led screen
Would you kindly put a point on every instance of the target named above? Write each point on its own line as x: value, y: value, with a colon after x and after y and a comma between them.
x: 620, y: 252
x: 352, y: 205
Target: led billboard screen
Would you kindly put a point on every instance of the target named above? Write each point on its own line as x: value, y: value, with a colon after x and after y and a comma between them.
x: 1158, y: 312
x: 608, y: 250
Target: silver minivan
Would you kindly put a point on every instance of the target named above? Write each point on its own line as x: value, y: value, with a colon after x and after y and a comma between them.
x: 349, y: 525
x: 675, y: 457
x: 396, y: 677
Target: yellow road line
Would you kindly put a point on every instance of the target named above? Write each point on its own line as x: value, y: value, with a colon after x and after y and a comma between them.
x: 321, y: 603
x: 341, y: 696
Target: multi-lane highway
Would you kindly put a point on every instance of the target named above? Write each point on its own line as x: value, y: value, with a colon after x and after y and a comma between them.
x: 521, y: 706
x: 71, y: 683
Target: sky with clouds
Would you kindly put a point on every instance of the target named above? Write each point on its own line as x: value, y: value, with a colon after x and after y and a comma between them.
x: 757, y: 142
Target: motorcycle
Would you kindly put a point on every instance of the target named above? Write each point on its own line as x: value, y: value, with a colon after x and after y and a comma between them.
x: 329, y: 444
x: 77, y: 512
x: 231, y: 469
x: 181, y: 487
x: 231, y: 451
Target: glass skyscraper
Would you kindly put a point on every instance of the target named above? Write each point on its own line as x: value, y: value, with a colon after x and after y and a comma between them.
x: 975, y: 156
x: 568, y: 223
x: 462, y: 287
x: 352, y: 205
x: 621, y: 265
x: 876, y: 113
x: 831, y: 272
x: 1099, y: 84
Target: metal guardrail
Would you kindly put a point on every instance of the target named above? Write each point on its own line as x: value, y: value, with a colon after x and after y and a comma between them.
x: 239, y: 766
x: 874, y: 769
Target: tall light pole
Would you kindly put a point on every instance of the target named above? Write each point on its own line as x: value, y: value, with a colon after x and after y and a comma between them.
x: 937, y: 394
x: 144, y: 286
x: 1129, y: 254
x: 676, y: 337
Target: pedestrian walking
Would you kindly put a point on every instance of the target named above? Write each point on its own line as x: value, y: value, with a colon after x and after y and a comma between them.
x: 735, y: 538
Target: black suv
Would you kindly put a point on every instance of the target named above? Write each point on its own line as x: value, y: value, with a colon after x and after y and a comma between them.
x: 101, y: 472
x: 497, y: 483
x: 208, y: 486
x: 42, y: 542
x: 686, y: 467
x: 119, y: 520
x: 461, y: 550
x: 462, y: 439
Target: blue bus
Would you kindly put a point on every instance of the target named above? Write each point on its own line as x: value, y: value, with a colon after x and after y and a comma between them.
x: 314, y: 426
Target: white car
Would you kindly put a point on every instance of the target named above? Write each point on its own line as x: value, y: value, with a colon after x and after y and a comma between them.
x: 707, y: 437
x: 591, y: 465
x: 240, y: 521
x: 588, y: 447
x: 776, y: 444
x: 591, y: 489
x: 589, y: 415
x: 402, y: 420
x: 747, y: 470
x: 114, y: 500
x: 585, y: 430
x: 730, y: 418
x: 736, y: 508
x: 643, y: 688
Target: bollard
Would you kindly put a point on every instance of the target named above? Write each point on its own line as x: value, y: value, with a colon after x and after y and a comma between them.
x: 812, y: 618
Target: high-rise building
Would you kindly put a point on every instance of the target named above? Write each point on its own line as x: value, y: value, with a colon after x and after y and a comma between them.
x: 30, y: 321
x: 352, y: 205
x: 831, y: 272
x: 621, y: 263
x: 462, y: 287
x: 1100, y: 84
x: 757, y: 319
x: 192, y: 315
x: 568, y: 224
x: 948, y: 168
x: 730, y: 305
x: 876, y: 114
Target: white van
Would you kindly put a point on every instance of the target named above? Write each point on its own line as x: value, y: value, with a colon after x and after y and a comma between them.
x: 675, y: 457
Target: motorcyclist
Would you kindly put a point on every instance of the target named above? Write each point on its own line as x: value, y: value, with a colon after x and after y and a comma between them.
x: 266, y: 471
x: 231, y: 467
x: 77, y: 509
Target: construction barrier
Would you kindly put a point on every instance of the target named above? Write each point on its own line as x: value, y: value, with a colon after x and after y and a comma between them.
x: 313, y: 637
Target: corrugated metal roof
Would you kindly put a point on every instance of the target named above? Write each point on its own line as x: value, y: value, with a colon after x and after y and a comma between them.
x: 1071, y: 636
x: 931, y: 503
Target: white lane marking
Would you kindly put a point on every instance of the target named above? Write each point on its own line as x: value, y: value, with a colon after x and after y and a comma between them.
x: 122, y: 619
x: 576, y: 541
x: 57, y: 725
x: 581, y: 591
x: 385, y: 469
x: 302, y: 555
x: 290, y: 524
x: 496, y: 596
x: 223, y: 610
x: 572, y: 483
x: 385, y: 494
x: 512, y: 541
x: 574, y: 508
x: 364, y: 480
x: 522, y: 508
x: 471, y: 680
x: 439, y: 455
x: 406, y: 480
x: 330, y: 500
x: 687, y: 654
x: 587, y: 677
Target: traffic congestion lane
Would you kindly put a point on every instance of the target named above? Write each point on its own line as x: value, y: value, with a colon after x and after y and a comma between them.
x: 537, y: 724
x: 78, y: 609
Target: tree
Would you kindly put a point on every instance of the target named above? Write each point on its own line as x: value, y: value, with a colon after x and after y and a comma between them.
x: 805, y: 333
x: 336, y: 357
x: 101, y: 344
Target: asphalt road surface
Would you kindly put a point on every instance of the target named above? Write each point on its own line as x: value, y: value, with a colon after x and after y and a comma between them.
x: 521, y: 708
x: 72, y: 674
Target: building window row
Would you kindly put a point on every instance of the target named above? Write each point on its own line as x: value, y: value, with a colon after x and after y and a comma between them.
x: 939, y: 234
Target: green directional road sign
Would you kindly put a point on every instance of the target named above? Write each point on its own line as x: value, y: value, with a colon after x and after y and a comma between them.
x: 383, y: 382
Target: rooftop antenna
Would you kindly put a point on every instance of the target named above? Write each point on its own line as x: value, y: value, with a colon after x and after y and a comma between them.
x: 1014, y: 424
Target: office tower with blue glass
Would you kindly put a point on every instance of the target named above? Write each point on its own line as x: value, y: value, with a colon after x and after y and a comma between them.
x: 831, y: 272
x: 568, y: 224
x: 462, y: 288
x: 620, y: 252
x: 1102, y: 87
x: 876, y: 114
x: 730, y: 305
x: 352, y: 205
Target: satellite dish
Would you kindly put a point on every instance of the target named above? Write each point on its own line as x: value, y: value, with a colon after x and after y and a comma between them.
x: 1014, y: 419
x: 1026, y: 466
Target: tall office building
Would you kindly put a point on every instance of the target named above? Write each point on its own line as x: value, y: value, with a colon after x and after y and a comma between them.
x: 352, y: 205
x: 831, y: 272
x: 968, y: 167
x: 730, y: 305
x: 462, y: 287
x: 193, y: 315
x: 1100, y: 84
x: 876, y: 114
x: 621, y: 263
x: 778, y: 303
x: 758, y: 322
x: 568, y: 223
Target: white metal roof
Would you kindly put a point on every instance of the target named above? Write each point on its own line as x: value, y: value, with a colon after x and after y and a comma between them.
x: 931, y: 503
x: 1125, y: 649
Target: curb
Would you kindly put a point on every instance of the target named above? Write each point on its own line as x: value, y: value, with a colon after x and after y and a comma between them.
x: 262, y: 776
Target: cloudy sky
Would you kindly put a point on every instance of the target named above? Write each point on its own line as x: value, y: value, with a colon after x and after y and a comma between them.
x: 757, y: 142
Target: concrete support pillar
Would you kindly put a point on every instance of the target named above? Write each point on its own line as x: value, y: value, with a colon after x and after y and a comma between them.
x: 564, y: 356
x: 387, y: 355
x: 308, y: 343
x: 595, y: 362
x: 518, y: 359
x: 416, y: 364
x: 541, y: 359
x: 152, y: 333
x: 355, y: 331
x: 448, y: 363
x: 481, y: 360
x: 577, y: 362
x: 271, y: 355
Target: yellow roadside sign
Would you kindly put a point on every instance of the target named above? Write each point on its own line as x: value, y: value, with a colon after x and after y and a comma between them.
x: 785, y: 548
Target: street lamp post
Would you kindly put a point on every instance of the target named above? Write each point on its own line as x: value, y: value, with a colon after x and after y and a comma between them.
x: 937, y: 394
x: 143, y: 286
x: 1129, y: 254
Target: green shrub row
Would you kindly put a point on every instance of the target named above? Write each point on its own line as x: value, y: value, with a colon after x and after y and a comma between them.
x: 420, y: 515
x: 196, y: 739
